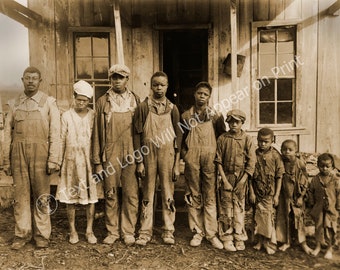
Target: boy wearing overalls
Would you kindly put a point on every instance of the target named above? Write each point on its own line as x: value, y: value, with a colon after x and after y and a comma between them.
x: 112, y: 145
x: 158, y: 137
x: 201, y: 125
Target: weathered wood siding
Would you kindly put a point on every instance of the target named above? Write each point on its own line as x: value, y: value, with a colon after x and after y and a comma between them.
x: 317, y: 95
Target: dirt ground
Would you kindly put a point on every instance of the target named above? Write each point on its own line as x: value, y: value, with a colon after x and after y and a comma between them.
x: 156, y: 255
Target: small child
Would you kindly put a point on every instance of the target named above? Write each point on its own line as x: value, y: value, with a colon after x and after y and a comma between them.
x: 264, y: 189
x: 291, y: 208
x: 76, y: 184
x: 324, y: 197
x: 235, y: 162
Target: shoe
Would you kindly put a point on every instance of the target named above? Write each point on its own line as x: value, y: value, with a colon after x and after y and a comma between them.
x: 91, y: 239
x: 142, y: 240
x: 110, y: 239
x: 42, y: 243
x: 196, y: 240
x: 74, y: 239
x: 239, y: 245
x: 229, y: 246
x: 18, y: 243
x: 168, y: 238
x: 216, y: 243
x: 129, y: 240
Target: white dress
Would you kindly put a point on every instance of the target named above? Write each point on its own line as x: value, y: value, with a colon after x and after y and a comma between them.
x: 77, y: 184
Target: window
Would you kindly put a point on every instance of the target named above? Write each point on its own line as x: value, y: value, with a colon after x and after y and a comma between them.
x: 92, y: 59
x: 276, y: 74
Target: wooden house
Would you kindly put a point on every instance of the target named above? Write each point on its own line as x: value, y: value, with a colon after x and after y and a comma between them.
x: 282, y: 68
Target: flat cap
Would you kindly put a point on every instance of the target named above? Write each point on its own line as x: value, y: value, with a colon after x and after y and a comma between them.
x: 83, y: 88
x: 236, y: 114
x: 119, y: 69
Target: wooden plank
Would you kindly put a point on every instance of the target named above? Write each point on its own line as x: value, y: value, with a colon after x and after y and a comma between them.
x: 15, y: 6
x: 328, y: 91
x: 292, y: 9
x: 234, y: 38
x: 118, y: 28
x: 25, y: 21
x: 245, y: 18
x: 306, y: 75
x: 334, y: 8
x: 261, y: 10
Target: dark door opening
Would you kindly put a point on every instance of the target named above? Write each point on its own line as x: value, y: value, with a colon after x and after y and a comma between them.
x: 185, y: 61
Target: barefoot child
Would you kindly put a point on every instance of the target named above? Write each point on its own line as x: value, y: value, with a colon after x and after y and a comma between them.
x: 291, y: 208
x: 324, y: 197
x: 264, y: 189
x: 76, y: 184
x: 235, y: 162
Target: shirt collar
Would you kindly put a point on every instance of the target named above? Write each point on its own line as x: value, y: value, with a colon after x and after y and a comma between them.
x: 124, y: 95
x: 36, y: 97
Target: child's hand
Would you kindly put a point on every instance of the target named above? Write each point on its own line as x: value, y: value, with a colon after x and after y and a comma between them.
x: 226, y: 185
x: 299, y: 202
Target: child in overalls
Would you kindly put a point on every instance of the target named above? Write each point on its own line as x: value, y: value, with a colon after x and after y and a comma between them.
x: 159, y: 138
x: 201, y: 125
x: 236, y: 163
x: 291, y: 208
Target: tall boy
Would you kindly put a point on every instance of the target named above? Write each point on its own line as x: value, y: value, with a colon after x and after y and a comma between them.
x: 324, y: 197
x: 157, y: 135
x: 199, y: 150
x: 264, y: 189
x: 236, y: 163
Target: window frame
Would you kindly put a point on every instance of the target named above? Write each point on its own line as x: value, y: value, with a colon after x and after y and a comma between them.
x: 72, y: 61
x: 256, y: 26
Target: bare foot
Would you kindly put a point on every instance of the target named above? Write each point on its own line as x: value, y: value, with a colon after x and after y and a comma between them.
x: 258, y: 246
x: 269, y: 250
x: 284, y: 247
x: 316, y: 251
x: 306, y: 248
x: 329, y: 254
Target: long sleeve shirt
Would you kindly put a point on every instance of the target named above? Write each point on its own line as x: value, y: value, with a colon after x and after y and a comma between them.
x: 49, y: 112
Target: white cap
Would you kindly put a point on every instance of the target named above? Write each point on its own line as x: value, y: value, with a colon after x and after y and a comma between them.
x: 83, y: 88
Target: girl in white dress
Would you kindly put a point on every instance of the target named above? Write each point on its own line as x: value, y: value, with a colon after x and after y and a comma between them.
x: 77, y: 185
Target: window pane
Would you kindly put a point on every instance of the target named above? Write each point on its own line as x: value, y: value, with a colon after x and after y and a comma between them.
x: 284, y: 113
x: 101, y: 66
x: 286, y: 65
x: 83, y: 46
x: 286, y: 35
x: 267, y: 91
x: 267, y: 62
x: 84, y: 68
x: 267, y: 36
x: 285, y: 47
x: 100, y: 46
x: 267, y: 113
x: 284, y: 89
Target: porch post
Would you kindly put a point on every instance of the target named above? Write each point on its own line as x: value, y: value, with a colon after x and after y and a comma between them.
x: 118, y: 28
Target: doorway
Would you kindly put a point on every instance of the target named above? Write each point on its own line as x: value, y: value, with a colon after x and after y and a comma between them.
x: 185, y: 61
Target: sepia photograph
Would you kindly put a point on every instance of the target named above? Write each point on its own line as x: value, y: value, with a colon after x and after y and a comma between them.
x: 170, y: 134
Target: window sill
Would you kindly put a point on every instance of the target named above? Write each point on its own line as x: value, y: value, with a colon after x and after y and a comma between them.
x: 283, y: 131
